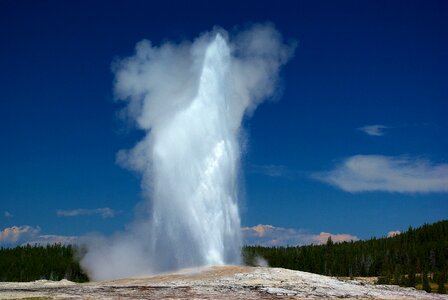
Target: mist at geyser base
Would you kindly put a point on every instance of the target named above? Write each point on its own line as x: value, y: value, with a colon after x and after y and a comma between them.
x: 190, y: 99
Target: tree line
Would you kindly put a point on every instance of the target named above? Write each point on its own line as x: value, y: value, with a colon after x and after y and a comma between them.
x: 29, y: 263
x: 415, y: 258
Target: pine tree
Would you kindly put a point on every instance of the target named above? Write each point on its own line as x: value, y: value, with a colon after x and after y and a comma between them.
x: 397, y: 275
x: 425, y: 282
x: 441, y: 280
x: 411, y: 277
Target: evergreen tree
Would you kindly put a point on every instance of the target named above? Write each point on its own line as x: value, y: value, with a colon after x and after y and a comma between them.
x: 441, y: 280
x: 397, y: 275
x: 411, y: 277
x: 425, y: 282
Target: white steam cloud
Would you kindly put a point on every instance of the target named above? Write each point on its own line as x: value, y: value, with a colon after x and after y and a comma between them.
x: 190, y: 99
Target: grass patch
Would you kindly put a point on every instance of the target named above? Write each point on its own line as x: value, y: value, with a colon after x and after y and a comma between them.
x: 433, y: 286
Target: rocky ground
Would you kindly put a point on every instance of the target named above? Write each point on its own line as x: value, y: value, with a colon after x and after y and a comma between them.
x: 226, y: 282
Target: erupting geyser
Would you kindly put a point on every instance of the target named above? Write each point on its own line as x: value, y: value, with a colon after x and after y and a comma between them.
x: 190, y: 99
x: 195, y: 162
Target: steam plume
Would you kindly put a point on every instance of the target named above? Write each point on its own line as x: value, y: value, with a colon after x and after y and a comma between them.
x: 190, y: 99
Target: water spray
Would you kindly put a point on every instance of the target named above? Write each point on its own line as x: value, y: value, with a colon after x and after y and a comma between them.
x: 190, y: 100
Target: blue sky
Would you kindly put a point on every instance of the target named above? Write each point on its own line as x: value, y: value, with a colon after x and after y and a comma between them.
x: 368, y: 85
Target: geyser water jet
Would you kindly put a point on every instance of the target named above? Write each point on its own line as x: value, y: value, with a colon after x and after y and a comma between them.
x: 190, y: 99
x: 195, y: 161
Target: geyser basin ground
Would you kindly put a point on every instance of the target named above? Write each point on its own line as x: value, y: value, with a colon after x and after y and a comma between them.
x: 223, y: 282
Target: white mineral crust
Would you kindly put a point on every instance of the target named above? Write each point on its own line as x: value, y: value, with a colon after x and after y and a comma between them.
x: 224, y: 282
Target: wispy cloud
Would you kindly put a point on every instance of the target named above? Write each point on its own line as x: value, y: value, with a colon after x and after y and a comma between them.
x: 268, y: 235
x: 7, y: 215
x: 50, y: 239
x: 368, y: 173
x: 25, y: 234
x: 393, y: 233
x: 104, y: 212
x: 373, y: 130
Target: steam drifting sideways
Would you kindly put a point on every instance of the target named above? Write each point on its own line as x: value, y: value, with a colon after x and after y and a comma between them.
x: 190, y: 99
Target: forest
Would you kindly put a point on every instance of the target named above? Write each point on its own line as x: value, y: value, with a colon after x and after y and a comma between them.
x: 415, y: 258
x: 28, y: 263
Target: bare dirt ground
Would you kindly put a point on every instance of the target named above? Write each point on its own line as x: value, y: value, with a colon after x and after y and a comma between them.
x: 224, y: 282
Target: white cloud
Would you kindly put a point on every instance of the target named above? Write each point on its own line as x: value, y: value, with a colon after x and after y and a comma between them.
x: 22, y: 235
x: 15, y: 234
x: 373, y: 130
x: 268, y: 235
x: 323, y: 237
x: 7, y: 215
x: 104, y: 212
x: 368, y: 173
x: 393, y: 233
